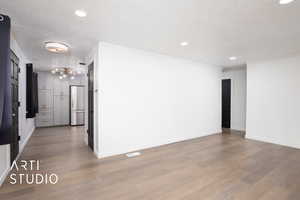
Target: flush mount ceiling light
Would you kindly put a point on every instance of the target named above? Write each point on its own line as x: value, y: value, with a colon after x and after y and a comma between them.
x: 232, y: 58
x: 184, y: 44
x: 282, y: 2
x: 80, y: 13
x: 56, y: 47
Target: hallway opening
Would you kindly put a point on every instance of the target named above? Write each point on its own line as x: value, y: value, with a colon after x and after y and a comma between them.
x: 234, y: 94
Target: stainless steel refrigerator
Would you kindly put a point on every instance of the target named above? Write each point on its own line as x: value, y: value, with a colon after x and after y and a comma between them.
x: 77, y: 105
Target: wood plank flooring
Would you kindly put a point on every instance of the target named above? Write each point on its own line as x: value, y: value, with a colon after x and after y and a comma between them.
x: 219, y: 167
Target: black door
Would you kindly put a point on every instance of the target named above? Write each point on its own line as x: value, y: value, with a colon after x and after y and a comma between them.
x: 226, y: 103
x: 14, y: 146
x: 91, y: 105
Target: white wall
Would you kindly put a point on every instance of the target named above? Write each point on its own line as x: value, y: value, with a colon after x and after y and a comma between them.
x: 147, y: 99
x: 273, y: 109
x: 5, y: 162
x: 26, y: 126
x: 238, y: 78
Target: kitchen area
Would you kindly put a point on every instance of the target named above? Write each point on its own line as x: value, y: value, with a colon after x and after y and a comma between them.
x: 61, y: 96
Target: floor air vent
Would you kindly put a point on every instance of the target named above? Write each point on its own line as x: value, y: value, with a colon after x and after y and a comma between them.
x: 134, y: 154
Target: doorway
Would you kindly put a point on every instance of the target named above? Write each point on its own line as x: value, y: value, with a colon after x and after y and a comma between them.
x: 226, y: 103
x: 91, y: 106
x: 77, y: 111
x: 14, y: 146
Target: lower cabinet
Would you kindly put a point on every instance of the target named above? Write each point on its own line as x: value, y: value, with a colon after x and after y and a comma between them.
x: 45, y: 115
x: 61, y: 110
x: 53, y: 109
x: 44, y: 119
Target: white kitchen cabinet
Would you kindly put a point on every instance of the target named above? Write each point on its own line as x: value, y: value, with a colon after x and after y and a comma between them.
x: 45, y: 81
x: 44, y: 118
x: 45, y: 99
x: 60, y: 87
x: 45, y: 115
x: 54, y: 100
x: 61, y: 110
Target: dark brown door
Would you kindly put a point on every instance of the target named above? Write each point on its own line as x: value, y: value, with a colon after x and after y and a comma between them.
x: 91, y: 106
x: 14, y: 146
x: 226, y: 103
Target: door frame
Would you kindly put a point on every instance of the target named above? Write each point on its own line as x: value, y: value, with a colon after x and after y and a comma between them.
x: 70, y: 101
x: 90, y: 114
x: 15, y: 146
x: 230, y: 106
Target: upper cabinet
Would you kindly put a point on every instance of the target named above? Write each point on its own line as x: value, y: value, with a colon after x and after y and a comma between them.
x: 60, y: 87
x: 45, y: 99
x: 45, y: 115
x: 45, y: 81
x: 61, y: 110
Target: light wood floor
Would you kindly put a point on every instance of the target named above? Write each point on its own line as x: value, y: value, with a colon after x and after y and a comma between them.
x: 223, y: 166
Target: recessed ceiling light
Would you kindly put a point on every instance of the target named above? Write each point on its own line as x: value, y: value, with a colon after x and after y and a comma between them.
x: 56, y: 47
x: 80, y: 13
x: 285, y: 1
x: 232, y: 58
x: 184, y: 43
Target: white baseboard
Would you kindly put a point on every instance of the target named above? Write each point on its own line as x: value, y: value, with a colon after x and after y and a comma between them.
x: 4, y: 175
x: 97, y: 154
x: 100, y: 155
x: 25, y: 142
x: 238, y: 129
x: 7, y: 170
x: 272, y: 141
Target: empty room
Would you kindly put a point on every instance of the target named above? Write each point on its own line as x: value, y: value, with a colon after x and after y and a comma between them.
x: 131, y: 100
